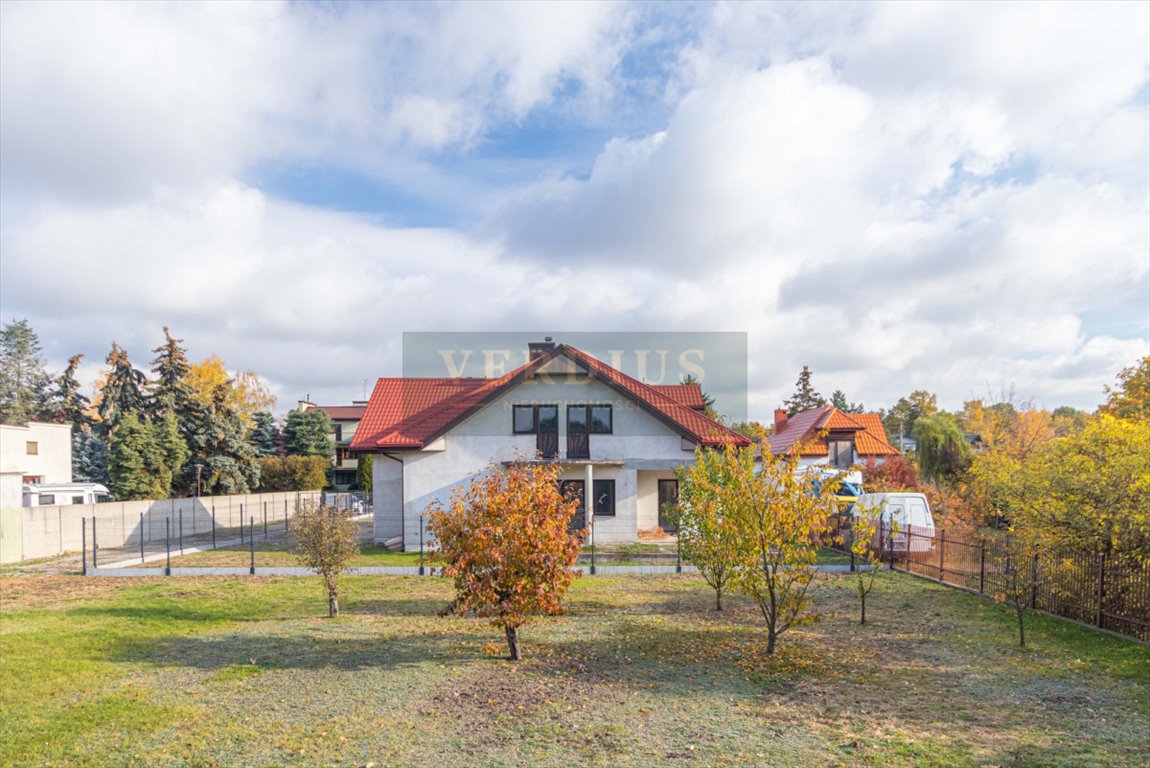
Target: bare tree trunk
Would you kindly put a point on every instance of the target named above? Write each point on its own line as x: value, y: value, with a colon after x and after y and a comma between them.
x: 771, y: 641
x: 513, y: 643
x: 718, y: 599
x: 862, y: 619
x: 332, y: 604
x: 1021, y: 629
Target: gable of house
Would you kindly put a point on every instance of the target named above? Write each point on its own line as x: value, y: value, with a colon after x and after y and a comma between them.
x: 408, y: 413
x: 810, y: 432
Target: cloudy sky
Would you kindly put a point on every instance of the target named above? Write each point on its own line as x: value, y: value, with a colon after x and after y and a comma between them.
x: 953, y: 197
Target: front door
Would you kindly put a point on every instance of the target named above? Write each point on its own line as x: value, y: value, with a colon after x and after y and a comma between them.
x: 668, y: 497
x: 574, y: 488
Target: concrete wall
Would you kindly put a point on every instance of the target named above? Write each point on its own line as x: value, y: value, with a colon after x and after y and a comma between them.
x: 648, y: 501
x: 387, y: 497
x: 639, y: 442
x: 11, y: 517
x: 52, y: 459
x: 48, y: 531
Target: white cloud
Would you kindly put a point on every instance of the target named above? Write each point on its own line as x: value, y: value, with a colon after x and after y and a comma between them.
x: 103, y: 101
x: 902, y: 196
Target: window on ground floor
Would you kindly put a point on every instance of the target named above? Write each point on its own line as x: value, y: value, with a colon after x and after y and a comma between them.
x: 604, y: 497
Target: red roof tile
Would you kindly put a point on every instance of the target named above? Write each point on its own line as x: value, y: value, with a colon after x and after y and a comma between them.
x: 690, y: 395
x: 342, y: 411
x: 803, y: 429
x: 410, y: 413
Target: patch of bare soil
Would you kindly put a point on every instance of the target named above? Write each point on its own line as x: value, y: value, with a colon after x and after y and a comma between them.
x: 31, y: 590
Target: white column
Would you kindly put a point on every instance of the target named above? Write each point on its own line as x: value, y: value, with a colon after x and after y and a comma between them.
x: 589, y: 499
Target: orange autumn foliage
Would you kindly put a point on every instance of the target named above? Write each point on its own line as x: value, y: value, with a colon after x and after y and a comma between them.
x: 507, y: 545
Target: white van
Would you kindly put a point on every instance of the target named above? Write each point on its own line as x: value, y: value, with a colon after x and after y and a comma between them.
x: 64, y: 494
x: 911, y: 515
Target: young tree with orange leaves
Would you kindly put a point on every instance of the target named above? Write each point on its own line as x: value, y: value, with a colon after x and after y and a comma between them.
x: 507, y: 545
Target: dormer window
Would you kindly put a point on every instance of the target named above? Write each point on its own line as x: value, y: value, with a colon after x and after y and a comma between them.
x: 841, y: 452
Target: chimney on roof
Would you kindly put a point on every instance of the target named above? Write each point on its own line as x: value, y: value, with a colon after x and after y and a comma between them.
x: 539, y: 348
x: 780, y: 420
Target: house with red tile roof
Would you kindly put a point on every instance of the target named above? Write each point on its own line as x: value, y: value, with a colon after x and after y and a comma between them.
x: 345, y: 421
x: 617, y: 440
x: 829, y: 436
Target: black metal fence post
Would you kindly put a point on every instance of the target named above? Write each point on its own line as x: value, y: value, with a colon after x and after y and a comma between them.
x: 982, y: 566
x: 941, y: 553
x: 141, y: 537
x: 84, y: 545
x: 95, y: 547
x: 851, y: 547
x: 168, y: 546
x: 180, y: 523
x: 1034, y: 581
x: 213, y: 524
x: 678, y: 554
x: 251, y: 544
x: 241, y: 523
x: 890, y: 543
x: 285, y: 515
x: 265, y: 519
x: 421, y: 545
x: 1101, y: 591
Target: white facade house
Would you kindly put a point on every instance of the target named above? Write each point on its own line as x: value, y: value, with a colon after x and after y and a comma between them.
x: 36, y: 452
x: 40, y: 452
x: 607, y: 432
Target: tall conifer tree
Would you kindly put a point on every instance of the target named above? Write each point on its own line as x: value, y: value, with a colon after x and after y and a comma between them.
x: 24, y: 383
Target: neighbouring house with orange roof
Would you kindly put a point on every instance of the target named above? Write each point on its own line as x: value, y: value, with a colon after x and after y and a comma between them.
x: 616, y: 439
x: 826, y: 435
x: 344, y: 422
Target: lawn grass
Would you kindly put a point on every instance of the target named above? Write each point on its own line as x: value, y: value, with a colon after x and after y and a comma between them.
x: 641, y: 671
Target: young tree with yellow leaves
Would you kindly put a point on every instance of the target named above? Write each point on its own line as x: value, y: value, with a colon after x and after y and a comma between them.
x: 507, y: 545
x: 780, y: 513
x: 865, y: 524
x: 707, y: 537
x: 765, y: 521
x: 326, y: 541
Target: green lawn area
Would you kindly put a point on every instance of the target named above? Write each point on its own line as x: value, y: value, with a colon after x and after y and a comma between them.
x: 640, y: 671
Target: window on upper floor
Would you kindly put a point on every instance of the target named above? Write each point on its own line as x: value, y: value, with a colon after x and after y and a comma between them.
x: 523, y: 419
x: 841, y: 452
x: 338, y: 432
x: 32, y: 448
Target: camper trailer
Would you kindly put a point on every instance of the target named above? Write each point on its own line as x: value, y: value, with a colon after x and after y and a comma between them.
x: 64, y: 494
x: 911, y: 515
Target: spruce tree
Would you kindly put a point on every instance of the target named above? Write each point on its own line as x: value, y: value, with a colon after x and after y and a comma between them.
x: 123, y: 390
x: 805, y: 397
x: 135, y: 460
x: 265, y: 434
x: 308, y: 433
x: 171, y: 390
x: 89, y: 459
x: 24, y: 383
x: 172, y: 447
x: 66, y: 404
x: 218, y: 439
x: 839, y: 400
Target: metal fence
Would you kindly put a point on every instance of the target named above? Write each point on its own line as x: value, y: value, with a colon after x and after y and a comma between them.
x: 1109, y: 592
x: 166, y: 532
